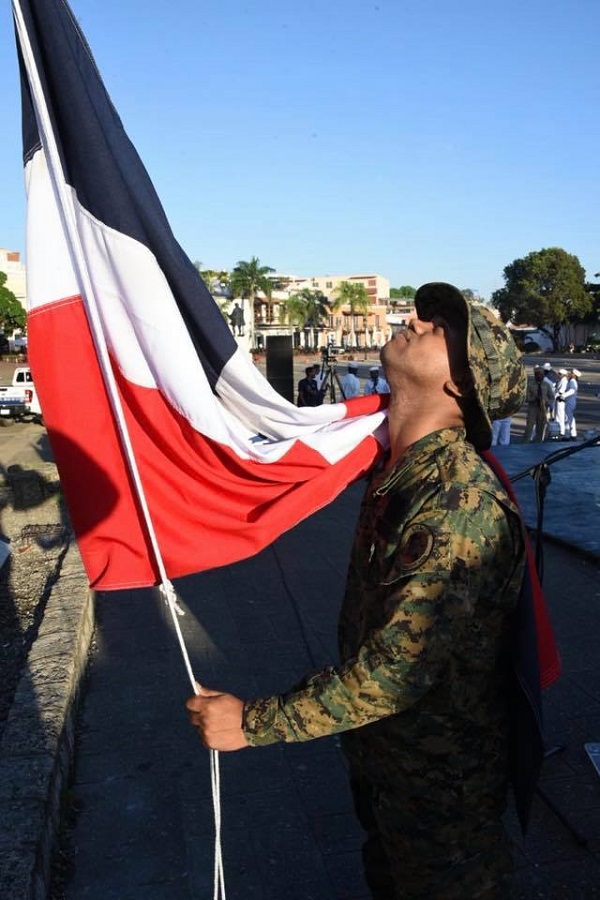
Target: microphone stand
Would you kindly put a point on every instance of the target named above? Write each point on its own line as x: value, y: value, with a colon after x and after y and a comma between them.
x: 540, y: 473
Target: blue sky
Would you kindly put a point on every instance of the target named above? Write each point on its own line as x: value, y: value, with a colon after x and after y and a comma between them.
x: 420, y: 139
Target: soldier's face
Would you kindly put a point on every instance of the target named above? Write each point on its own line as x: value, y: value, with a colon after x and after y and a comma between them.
x: 425, y: 352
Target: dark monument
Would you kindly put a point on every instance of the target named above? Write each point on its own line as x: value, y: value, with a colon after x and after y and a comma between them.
x: 236, y: 318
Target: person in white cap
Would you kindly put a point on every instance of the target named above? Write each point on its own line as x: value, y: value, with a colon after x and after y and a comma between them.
x: 549, y: 373
x: 559, y: 406
x: 570, y: 396
x: 376, y: 384
x: 350, y: 382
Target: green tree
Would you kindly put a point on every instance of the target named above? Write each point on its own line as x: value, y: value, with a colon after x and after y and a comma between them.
x: 212, y: 278
x: 405, y: 292
x: 351, y: 297
x: 216, y: 280
x: 12, y: 314
x: 546, y: 289
x: 249, y: 277
x: 307, y: 309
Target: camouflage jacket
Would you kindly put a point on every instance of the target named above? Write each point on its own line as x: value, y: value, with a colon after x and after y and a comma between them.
x: 433, y: 581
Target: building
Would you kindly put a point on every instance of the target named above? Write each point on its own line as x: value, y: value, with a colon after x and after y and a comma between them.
x: 401, y: 311
x: 16, y: 274
x: 341, y: 328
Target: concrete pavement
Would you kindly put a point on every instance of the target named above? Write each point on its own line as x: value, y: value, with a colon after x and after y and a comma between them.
x: 141, y: 789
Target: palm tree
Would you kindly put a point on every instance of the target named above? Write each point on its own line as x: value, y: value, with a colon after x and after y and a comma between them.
x: 216, y: 280
x: 307, y: 309
x: 352, y: 296
x: 248, y: 278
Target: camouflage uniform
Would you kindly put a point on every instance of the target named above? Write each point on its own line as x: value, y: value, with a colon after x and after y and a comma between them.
x: 422, y: 691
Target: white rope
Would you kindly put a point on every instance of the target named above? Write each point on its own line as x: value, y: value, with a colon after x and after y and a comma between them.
x: 170, y: 598
x: 215, y: 780
x: 66, y: 209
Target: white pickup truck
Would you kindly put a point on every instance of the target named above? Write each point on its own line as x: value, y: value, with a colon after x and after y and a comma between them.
x: 20, y: 398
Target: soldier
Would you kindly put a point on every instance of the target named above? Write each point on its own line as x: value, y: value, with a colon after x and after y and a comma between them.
x: 422, y: 694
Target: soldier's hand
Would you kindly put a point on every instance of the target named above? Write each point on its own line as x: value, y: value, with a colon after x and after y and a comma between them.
x: 218, y: 719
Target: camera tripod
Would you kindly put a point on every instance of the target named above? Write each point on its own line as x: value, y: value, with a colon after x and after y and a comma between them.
x: 330, y: 378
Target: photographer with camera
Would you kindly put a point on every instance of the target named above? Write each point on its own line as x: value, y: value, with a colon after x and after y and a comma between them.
x: 308, y: 389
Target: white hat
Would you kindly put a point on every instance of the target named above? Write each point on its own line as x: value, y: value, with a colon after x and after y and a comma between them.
x: 576, y: 373
x: 353, y: 367
x: 374, y: 369
x: 547, y: 367
x: 562, y: 372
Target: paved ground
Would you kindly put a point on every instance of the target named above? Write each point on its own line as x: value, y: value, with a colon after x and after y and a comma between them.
x: 141, y: 788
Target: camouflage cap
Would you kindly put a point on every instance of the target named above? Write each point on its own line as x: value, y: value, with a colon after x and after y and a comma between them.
x: 494, y: 360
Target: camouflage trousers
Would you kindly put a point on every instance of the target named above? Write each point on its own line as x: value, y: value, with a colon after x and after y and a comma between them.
x: 416, y: 851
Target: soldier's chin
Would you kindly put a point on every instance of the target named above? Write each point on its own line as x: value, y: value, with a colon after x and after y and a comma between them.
x: 385, y: 352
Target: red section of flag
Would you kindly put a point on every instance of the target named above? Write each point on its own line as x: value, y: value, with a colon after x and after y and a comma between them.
x: 549, y: 657
x: 550, y: 665
x: 208, y: 506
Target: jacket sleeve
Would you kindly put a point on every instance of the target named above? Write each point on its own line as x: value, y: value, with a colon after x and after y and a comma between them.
x: 398, y: 662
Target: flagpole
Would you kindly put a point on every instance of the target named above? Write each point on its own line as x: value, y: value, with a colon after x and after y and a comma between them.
x: 64, y: 202
x: 65, y: 205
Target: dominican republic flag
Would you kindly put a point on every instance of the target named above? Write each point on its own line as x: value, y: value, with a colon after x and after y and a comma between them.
x: 116, y: 309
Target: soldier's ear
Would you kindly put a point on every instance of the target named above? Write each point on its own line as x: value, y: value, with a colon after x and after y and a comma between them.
x: 460, y: 387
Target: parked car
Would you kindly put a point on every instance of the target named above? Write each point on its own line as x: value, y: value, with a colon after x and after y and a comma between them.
x: 593, y: 343
x: 19, y: 345
x: 20, y: 397
x: 530, y: 340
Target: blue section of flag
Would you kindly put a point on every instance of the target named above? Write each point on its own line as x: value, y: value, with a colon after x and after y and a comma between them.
x: 103, y: 167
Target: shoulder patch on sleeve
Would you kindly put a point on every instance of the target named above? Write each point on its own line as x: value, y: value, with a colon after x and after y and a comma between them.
x: 415, y: 547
